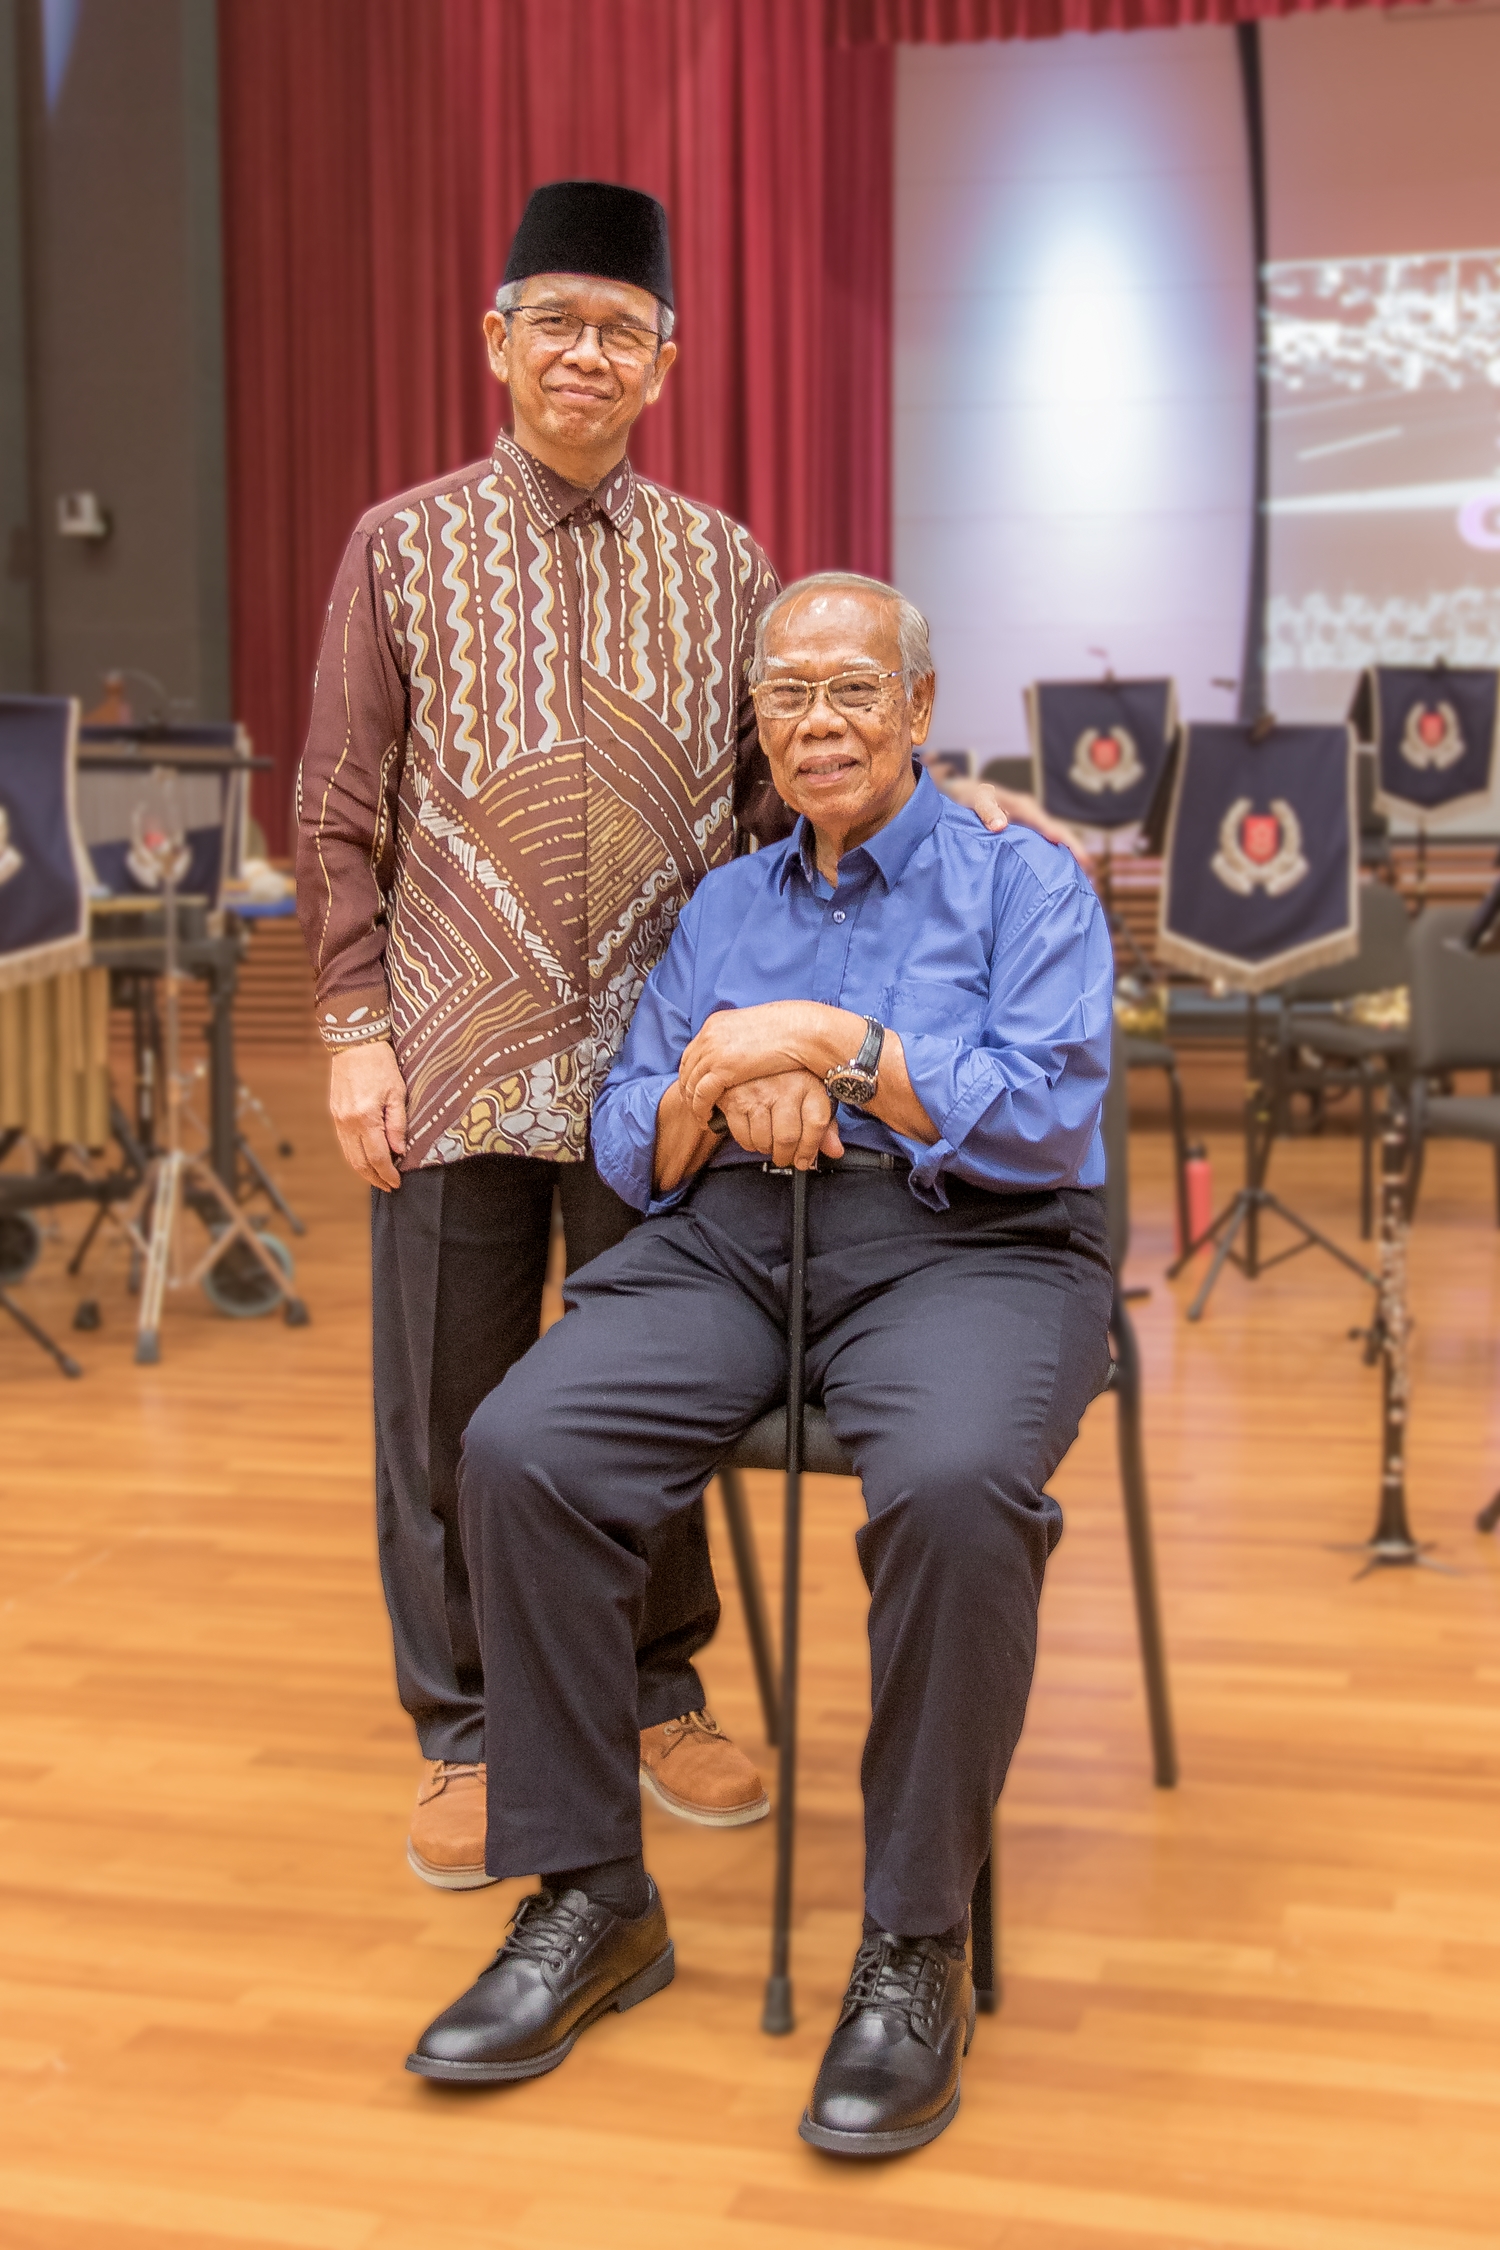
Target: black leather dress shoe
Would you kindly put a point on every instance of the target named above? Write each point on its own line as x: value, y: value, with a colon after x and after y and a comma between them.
x: 889, y: 2080
x: 565, y: 1962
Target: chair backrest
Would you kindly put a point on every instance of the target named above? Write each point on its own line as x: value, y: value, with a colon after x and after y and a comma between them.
x: 1455, y: 995
x: 1009, y: 773
x: 1116, y: 1127
x: 1380, y: 962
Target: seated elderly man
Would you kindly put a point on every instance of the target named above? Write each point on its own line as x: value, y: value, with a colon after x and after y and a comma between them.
x: 920, y: 1009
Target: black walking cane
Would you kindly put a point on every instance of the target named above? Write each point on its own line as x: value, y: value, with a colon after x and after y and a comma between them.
x: 778, y: 2009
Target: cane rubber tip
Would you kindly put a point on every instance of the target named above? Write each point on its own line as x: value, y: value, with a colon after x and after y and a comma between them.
x: 778, y: 2018
x: 986, y: 2002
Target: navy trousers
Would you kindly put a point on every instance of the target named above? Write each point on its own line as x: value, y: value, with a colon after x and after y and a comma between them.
x: 460, y: 1256
x: 954, y: 1353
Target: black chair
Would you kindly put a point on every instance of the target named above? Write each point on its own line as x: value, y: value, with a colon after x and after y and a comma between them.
x: 1321, y: 1051
x: 772, y: 1443
x: 1010, y: 773
x: 1455, y: 1025
x: 1158, y: 1054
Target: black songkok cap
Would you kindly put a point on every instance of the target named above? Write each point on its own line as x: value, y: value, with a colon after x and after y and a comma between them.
x: 594, y: 227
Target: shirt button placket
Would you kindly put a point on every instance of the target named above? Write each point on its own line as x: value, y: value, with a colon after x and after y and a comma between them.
x: 833, y: 951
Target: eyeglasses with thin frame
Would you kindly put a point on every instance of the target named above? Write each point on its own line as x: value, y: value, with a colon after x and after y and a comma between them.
x: 623, y: 340
x: 789, y: 700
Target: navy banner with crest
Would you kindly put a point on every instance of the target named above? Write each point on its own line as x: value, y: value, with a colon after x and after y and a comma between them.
x: 116, y: 766
x: 1434, y: 729
x: 44, y: 872
x: 1099, y: 747
x: 1261, y: 871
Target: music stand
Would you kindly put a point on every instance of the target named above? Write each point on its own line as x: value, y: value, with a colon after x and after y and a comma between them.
x: 1259, y: 884
x: 161, y: 856
x: 1434, y: 730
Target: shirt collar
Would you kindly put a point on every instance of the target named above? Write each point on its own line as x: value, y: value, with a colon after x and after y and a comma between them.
x: 553, y: 499
x: 890, y: 847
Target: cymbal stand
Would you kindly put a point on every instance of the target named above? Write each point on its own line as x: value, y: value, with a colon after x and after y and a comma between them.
x: 1242, y: 1215
x: 1391, y: 1545
x: 174, y: 1177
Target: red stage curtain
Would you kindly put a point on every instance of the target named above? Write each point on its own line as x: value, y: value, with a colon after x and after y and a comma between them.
x: 376, y: 156
x: 946, y: 22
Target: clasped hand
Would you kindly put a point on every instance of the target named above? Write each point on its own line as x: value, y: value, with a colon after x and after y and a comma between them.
x: 747, y: 1062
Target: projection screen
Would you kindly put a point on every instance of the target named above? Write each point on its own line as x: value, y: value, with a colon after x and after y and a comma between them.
x: 1382, y: 350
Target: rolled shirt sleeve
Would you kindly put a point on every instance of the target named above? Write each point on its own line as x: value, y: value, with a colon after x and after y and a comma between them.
x: 1019, y: 1108
x: 623, y: 1131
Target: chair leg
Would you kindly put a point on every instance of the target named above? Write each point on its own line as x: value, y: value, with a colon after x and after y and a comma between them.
x: 752, y: 1596
x: 1415, y: 1162
x: 1179, y: 1150
x: 1366, y: 1153
x: 1127, y: 1389
x: 983, y: 1914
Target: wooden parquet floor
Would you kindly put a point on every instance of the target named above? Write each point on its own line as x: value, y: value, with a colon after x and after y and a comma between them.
x: 1262, y: 2011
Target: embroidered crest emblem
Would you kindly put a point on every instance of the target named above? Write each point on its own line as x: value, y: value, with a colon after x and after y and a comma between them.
x: 1260, y: 850
x: 1105, y: 758
x: 1432, y: 738
x: 11, y: 861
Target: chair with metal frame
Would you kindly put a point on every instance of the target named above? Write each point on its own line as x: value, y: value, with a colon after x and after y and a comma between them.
x: 800, y: 1442
x: 1455, y: 1025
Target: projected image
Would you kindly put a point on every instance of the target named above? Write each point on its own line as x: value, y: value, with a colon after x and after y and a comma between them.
x: 1384, y: 378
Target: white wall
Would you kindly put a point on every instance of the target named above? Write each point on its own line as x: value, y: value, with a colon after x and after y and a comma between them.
x: 1074, y: 365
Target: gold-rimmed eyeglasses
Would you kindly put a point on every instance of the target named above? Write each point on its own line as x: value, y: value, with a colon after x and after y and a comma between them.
x: 785, y: 700
x: 624, y: 340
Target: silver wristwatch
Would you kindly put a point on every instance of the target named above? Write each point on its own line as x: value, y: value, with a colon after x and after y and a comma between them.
x: 858, y: 1082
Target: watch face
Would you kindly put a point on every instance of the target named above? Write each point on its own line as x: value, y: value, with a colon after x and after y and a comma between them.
x: 851, y: 1085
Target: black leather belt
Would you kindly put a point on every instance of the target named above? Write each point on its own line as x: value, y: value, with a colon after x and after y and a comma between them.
x: 852, y: 1160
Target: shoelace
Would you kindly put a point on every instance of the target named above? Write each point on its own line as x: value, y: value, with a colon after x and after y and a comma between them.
x: 888, y: 1974
x: 677, y: 1731
x: 545, y: 1929
x: 448, y: 1769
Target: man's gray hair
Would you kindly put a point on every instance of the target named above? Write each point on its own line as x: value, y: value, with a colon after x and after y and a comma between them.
x: 911, y: 626
x: 508, y: 300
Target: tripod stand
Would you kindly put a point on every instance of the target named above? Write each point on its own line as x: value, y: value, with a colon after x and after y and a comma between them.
x: 1242, y: 1216
x: 173, y: 1177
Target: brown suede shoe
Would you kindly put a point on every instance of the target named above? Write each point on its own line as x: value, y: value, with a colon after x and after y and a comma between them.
x: 696, y: 1772
x: 446, y: 1844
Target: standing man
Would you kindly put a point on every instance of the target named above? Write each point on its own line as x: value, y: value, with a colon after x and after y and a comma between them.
x: 530, y: 738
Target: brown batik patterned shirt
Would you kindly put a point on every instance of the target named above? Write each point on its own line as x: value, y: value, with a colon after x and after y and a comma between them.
x: 530, y: 738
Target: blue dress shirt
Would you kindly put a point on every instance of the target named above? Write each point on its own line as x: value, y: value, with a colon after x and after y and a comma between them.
x: 988, y: 954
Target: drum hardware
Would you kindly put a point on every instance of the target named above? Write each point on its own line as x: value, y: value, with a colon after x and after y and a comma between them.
x: 252, y: 1175
x: 175, y: 1180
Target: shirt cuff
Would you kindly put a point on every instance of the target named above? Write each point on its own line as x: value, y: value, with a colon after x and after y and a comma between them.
x: 934, y: 1066
x: 623, y: 1138
x: 355, y: 1018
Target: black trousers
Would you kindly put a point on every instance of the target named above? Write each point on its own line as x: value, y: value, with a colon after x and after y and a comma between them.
x: 954, y: 1353
x: 460, y: 1256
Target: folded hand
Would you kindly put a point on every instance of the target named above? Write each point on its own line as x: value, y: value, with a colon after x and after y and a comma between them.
x: 786, y: 1116
x: 739, y: 1044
